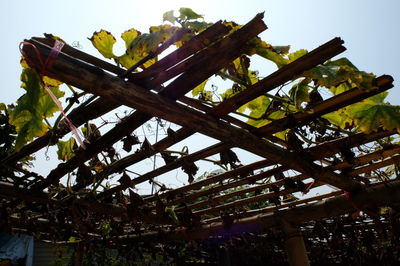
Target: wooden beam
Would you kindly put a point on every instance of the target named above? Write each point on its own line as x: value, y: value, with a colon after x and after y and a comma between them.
x: 284, y: 74
x: 233, y: 46
x: 100, y: 83
x: 266, y: 196
x: 317, y: 153
x: 385, y: 194
x: 277, y: 78
x: 81, y: 114
x: 334, y: 103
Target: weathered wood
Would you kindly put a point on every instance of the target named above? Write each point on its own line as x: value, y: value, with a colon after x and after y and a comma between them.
x: 365, y: 159
x: 134, y: 96
x: 270, y: 209
x: 318, y: 55
x: 168, y: 167
x: 176, y: 89
x: 243, y: 170
x: 378, y: 195
x: 330, y: 149
x: 9, y: 191
x: 209, y: 60
x: 354, y: 95
x: 383, y: 83
x: 195, y: 44
x: 101, y: 106
x: 284, y: 74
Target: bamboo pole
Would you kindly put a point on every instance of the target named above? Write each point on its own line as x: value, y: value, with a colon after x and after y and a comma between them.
x: 284, y: 74
x: 134, y: 96
x: 383, y: 194
x: 232, y: 47
x: 294, y: 244
x: 81, y: 114
x: 266, y: 196
x: 317, y: 152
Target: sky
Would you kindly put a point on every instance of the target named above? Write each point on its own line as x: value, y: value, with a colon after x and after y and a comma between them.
x: 369, y: 28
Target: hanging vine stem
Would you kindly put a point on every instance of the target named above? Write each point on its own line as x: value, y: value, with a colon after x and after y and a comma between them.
x: 216, y: 162
x: 154, y: 160
x: 241, y: 82
x: 69, y: 106
x: 308, y: 141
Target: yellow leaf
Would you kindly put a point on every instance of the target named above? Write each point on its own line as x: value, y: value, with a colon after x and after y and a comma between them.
x: 129, y: 35
x: 51, y: 82
x: 104, y: 41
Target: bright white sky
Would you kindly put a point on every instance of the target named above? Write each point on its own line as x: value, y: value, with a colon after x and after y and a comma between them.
x: 369, y: 28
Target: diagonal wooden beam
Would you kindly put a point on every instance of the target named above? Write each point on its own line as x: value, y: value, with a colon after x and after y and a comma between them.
x: 98, y: 107
x: 382, y: 83
x: 100, y: 83
x: 233, y: 45
x: 288, y: 72
x: 316, y: 152
x: 383, y: 194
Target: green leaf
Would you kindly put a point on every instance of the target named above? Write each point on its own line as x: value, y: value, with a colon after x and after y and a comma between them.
x: 282, y: 134
x: 342, y: 87
x: 66, y: 149
x: 339, y: 118
x: 188, y: 14
x: 371, y: 114
x: 299, y: 92
x: 169, y: 16
x: 129, y: 35
x: 31, y: 83
x: 267, y: 51
x: 196, y: 25
x: 45, y: 105
x: 282, y: 49
x: 259, y: 104
x: 199, y: 88
x: 170, y: 210
x: 149, y: 42
x: 379, y: 98
x: 297, y: 54
x: 206, y: 95
x: 368, y: 115
x: 33, y: 107
x: 257, y: 107
x: 332, y: 73
x: 104, y: 42
x: 28, y: 127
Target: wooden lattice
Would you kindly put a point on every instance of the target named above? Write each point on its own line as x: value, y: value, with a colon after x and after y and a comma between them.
x: 201, y: 212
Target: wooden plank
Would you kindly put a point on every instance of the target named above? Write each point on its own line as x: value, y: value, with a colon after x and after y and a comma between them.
x: 100, y: 106
x: 283, y: 75
x: 176, y: 89
x: 334, y: 103
x: 105, y: 85
x: 377, y: 195
x: 318, y: 55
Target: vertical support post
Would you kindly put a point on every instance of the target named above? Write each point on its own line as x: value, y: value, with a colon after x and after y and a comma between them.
x: 294, y: 244
x: 79, y: 254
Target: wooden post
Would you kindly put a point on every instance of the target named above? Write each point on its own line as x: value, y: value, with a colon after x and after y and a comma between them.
x: 294, y: 244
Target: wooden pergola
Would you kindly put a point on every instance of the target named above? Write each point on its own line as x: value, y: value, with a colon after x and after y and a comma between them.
x: 202, y: 213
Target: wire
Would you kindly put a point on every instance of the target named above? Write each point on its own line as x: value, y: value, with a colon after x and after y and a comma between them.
x: 154, y: 160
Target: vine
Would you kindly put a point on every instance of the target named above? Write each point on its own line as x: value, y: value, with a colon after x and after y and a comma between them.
x: 31, y: 117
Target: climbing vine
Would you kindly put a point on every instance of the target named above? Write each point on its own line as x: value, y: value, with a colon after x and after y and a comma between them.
x: 32, y: 118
